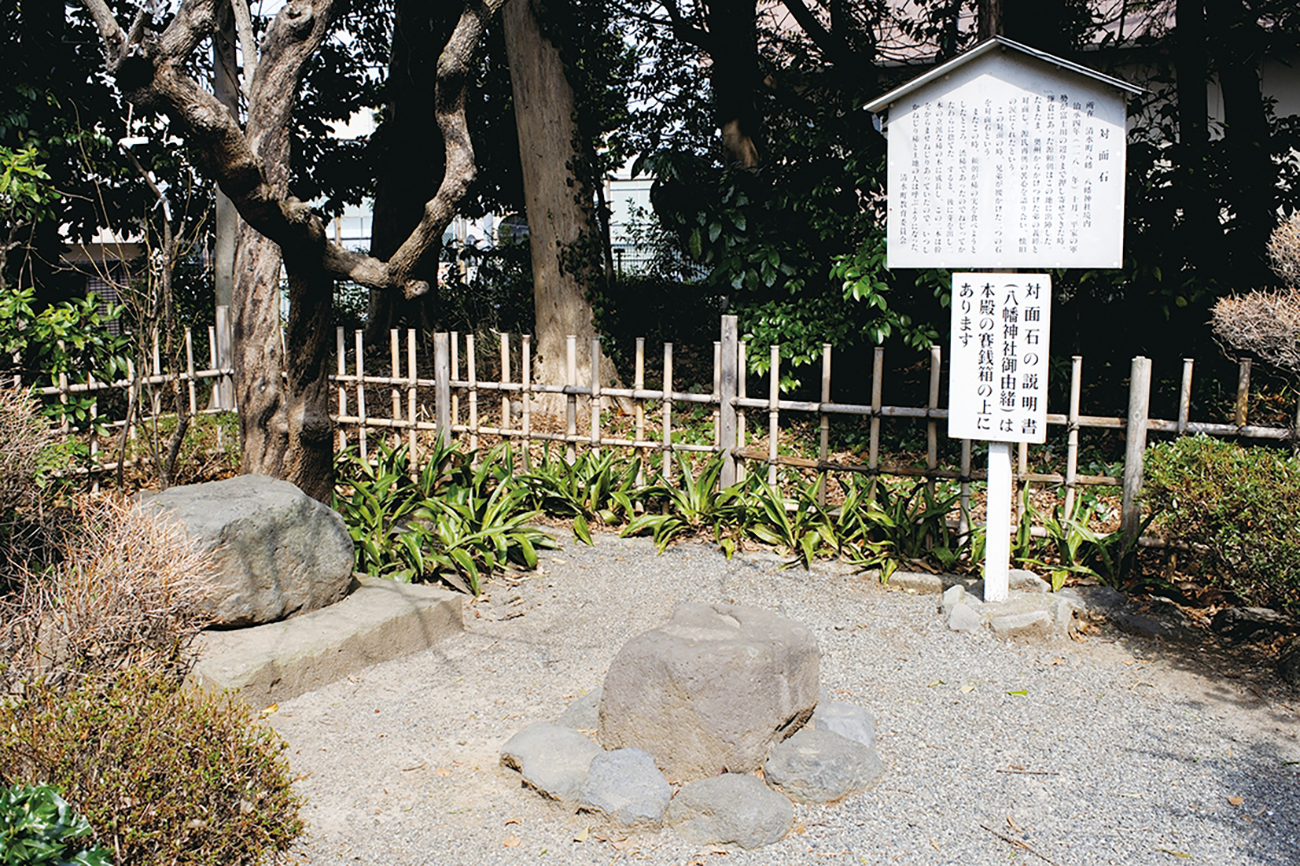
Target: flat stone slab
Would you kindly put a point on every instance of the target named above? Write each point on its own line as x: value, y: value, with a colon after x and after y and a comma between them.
x: 551, y: 758
x: 379, y: 621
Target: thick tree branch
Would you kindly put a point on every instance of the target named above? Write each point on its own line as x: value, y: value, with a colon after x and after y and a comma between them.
x: 832, y: 46
x: 109, y: 31
x: 686, y: 31
x: 449, y: 111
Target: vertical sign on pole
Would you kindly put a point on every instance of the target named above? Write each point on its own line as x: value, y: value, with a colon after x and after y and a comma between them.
x: 1001, y: 324
x: 1004, y: 157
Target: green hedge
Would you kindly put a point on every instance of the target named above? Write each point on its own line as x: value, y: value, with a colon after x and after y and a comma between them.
x: 1239, y: 509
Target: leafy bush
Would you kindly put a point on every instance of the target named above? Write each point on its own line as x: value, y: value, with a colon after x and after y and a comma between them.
x: 126, y: 593
x: 1239, y: 506
x: 163, y: 773
x: 694, y: 504
x: 450, y: 521
x: 37, y: 826
x: 595, y: 487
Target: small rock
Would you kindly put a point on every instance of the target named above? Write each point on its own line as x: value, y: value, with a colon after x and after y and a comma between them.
x: 627, y: 787
x: 584, y: 713
x: 1127, y: 620
x: 917, y: 581
x: 964, y: 618
x: 730, y: 809
x: 1033, y: 624
x: 849, y: 721
x: 1288, y: 663
x: 1240, y: 623
x: 818, y: 766
x: 551, y: 758
x: 1026, y: 581
x: 952, y: 596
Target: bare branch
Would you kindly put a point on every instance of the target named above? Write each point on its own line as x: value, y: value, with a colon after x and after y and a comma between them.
x: 686, y: 31
x: 247, y: 43
x: 109, y: 31
x: 835, y: 49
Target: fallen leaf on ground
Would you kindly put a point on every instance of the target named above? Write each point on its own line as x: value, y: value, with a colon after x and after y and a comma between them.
x: 1236, y: 801
x: 269, y: 710
x: 1023, y: 693
x: 967, y: 689
x: 442, y: 772
x: 582, y: 837
x: 512, y: 842
x: 933, y: 684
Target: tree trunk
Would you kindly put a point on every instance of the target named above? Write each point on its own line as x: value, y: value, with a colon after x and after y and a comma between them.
x: 1200, y: 225
x: 563, y: 237
x: 733, y: 40
x: 410, y: 164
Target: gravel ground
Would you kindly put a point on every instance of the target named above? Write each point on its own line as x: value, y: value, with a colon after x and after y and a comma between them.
x: 1106, y: 750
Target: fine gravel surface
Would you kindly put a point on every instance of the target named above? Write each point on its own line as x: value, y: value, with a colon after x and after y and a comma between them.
x: 1104, y: 750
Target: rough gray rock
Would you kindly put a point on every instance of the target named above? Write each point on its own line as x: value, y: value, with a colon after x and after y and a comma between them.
x: 964, y: 618
x: 551, y: 758
x: 712, y: 689
x: 730, y: 809
x: 278, y: 552
x: 1240, y: 623
x: 1026, y: 581
x: 584, y: 713
x: 818, y: 766
x: 1288, y: 663
x: 849, y: 721
x: 627, y: 787
x: 1095, y: 599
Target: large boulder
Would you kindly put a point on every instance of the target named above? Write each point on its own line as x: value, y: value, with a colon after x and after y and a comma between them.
x: 278, y: 552
x: 711, y: 690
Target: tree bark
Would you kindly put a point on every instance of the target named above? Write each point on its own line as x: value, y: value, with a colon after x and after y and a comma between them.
x: 284, y: 419
x: 733, y: 48
x: 562, y: 233
x: 410, y: 164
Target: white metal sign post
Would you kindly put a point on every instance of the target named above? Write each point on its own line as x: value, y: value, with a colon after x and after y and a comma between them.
x: 1004, y: 157
x: 998, y: 387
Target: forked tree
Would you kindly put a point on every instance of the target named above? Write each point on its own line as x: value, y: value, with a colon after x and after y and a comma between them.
x: 283, y: 394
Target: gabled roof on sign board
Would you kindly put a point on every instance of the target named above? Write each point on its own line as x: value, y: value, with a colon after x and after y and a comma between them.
x: 995, y: 43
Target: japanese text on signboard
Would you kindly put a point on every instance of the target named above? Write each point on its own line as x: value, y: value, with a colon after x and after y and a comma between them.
x: 998, y: 361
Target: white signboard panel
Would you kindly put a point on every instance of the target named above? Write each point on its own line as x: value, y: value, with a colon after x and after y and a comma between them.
x: 998, y: 363
x: 1007, y: 162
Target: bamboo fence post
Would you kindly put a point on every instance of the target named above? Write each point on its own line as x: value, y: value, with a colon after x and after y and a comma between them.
x: 362, y: 434
x: 394, y: 373
x: 877, y: 389
x: 94, y: 438
x: 666, y: 467
x: 471, y: 373
x: 1139, y: 399
x: 1243, y: 392
x: 155, y: 393
x: 1185, y: 397
x: 773, y: 411
x: 1072, y: 434
x: 932, y: 426
x: 570, y: 399
x: 455, y: 374
x: 340, y: 350
x: 717, y: 389
x: 726, y: 394
x: 412, y: 403
x: 526, y: 377
x: 1021, y: 479
x: 595, y: 394
x: 824, y: 422
x: 442, y: 386
x: 189, y: 373
x: 505, y: 379
x: 638, y: 384
x: 742, y: 392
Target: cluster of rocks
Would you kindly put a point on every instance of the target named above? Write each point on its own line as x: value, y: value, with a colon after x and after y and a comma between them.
x: 690, y: 713
x: 276, y: 551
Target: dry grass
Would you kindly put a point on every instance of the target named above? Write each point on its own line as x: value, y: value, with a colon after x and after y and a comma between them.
x: 1284, y: 250
x: 23, y: 435
x: 125, y: 594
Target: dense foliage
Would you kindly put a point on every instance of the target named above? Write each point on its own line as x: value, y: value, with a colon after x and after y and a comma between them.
x: 40, y: 828
x: 1239, y: 510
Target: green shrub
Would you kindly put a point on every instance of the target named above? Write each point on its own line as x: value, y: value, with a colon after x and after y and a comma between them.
x: 163, y: 773
x: 1239, y: 507
x: 38, y: 827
